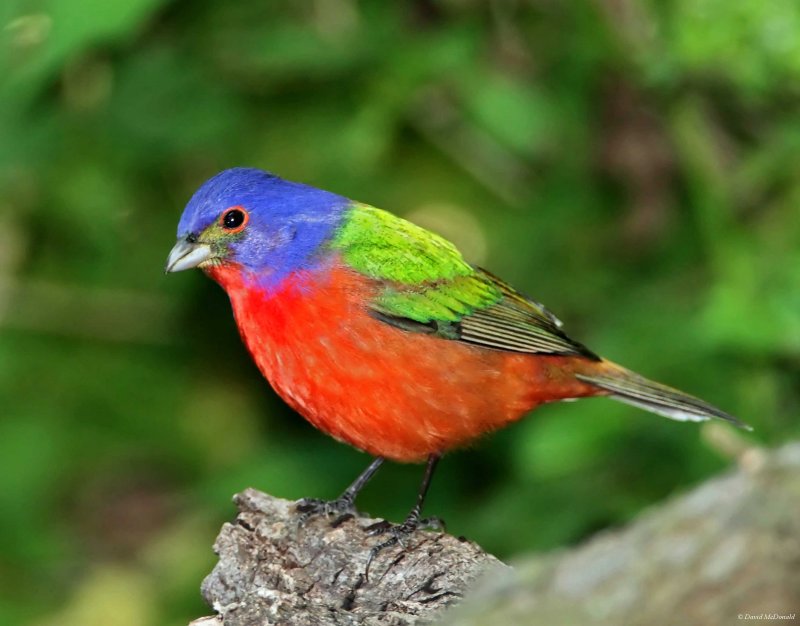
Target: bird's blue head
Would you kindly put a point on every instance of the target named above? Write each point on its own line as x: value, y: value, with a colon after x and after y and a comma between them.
x: 267, y: 226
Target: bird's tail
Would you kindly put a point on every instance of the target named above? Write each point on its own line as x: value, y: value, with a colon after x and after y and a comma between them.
x: 626, y: 386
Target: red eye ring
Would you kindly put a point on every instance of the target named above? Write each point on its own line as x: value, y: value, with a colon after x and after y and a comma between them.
x: 234, y: 219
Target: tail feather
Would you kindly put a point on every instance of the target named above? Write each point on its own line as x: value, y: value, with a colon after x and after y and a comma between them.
x: 628, y: 387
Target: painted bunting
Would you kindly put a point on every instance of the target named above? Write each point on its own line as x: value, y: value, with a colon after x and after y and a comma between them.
x: 380, y: 334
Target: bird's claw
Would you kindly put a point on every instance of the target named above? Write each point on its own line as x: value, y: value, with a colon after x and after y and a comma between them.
x: 341, y: 509
x: 399, y: 534
x: 408, y: 527
x: 379, y: 528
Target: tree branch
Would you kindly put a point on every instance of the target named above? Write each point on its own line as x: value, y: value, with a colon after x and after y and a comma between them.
x: 730, y: 547
x: 727, y: 548
x: 272, y: 567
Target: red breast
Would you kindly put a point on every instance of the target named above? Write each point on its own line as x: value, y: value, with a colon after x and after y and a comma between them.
x: 392, y: 393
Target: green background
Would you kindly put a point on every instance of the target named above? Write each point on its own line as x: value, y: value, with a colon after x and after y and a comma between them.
x: 634, y: 165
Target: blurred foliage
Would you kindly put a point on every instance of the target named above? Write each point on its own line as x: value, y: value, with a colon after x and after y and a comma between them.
x: 632, y: 164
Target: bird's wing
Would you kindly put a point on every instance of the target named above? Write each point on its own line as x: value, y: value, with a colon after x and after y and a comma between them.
x: 424, y: 285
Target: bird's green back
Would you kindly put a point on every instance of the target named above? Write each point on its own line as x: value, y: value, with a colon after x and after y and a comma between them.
x: 424, y: 284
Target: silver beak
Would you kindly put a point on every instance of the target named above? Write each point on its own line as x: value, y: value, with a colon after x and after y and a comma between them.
x: 186, y: 255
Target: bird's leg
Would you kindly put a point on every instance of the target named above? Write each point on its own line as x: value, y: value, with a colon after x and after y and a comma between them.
x: 344, y: 505
x: 399, y: 532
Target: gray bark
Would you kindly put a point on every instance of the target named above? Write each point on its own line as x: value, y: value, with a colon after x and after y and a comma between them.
x: 273, y: 569
x: 730, y: 547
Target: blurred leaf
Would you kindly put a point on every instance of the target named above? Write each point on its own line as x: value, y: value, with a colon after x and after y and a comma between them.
x: 41, y: 36
x: 515, y: 113
x: 750, y: 43
x: 109, y: 595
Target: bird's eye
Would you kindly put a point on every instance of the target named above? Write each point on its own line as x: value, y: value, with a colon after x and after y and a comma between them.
x: 234, y: 219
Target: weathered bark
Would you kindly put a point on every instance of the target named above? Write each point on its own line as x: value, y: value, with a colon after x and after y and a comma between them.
x: 730, y: 547
x: 275, y: 570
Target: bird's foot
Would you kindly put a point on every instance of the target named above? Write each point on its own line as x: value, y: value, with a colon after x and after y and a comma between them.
x: 399, y: 533
x: 343, y: 508
x: 408, y: 527
x: 340, y: 509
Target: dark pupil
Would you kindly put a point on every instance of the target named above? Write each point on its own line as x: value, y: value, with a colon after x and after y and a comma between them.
x: 233, y: 219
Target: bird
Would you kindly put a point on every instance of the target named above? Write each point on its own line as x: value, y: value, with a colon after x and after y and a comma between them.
x: 380, y: 333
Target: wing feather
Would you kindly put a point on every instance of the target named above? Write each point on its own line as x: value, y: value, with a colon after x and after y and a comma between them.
x: 423, y: 284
